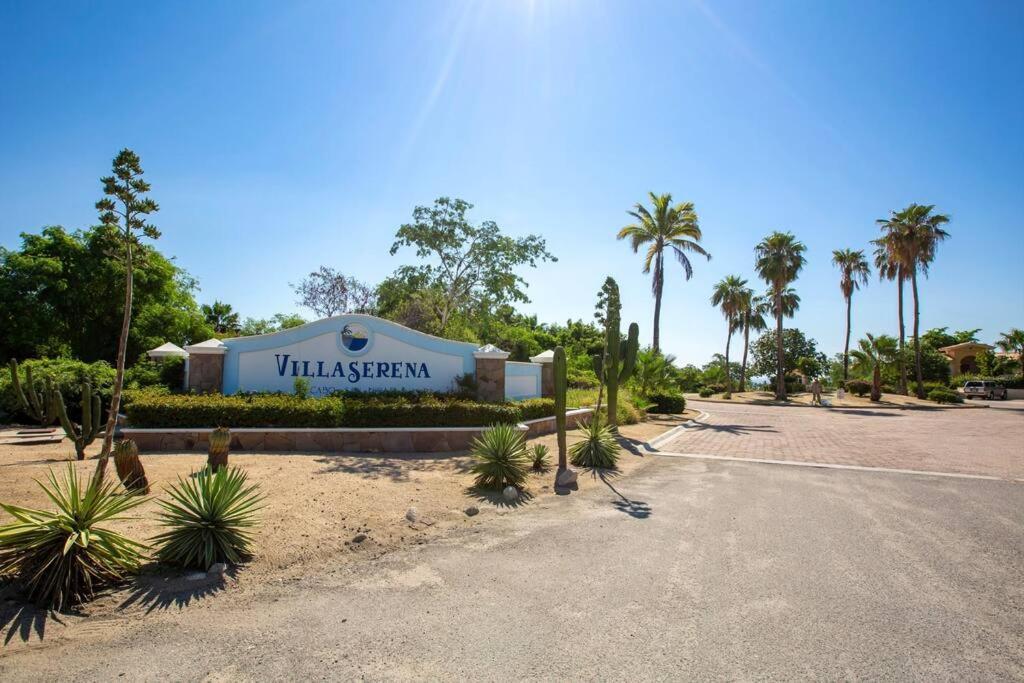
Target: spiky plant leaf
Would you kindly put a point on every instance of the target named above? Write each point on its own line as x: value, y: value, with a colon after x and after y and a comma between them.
x: 541, y: 461
x: 208, y: 518
x: 62, y: 557
x: 598, y: 447
x: 501, y: 459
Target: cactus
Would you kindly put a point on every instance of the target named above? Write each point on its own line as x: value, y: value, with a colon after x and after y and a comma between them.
x: 560, y: 388
x: 38, y: 406
x: 616, y: 365
x: 220, y: 446
x: 84, y: 434
x: 129, y: 467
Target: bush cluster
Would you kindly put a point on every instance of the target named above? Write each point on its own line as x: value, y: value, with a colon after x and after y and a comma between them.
x: 945, y: 396
x: 858, y: 387
x: 149, y: 408
x: 706, y: 392
x: 668, y: 404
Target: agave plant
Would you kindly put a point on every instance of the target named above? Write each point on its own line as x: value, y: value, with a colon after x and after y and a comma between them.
x: 208, y: 519
x: 598, y: 448
x: 63, y: 557
x: 541, y: 461
x: 501, y: 458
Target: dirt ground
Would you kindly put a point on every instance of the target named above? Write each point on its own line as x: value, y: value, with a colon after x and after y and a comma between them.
x: 316, y: 503
x: 850, y: 401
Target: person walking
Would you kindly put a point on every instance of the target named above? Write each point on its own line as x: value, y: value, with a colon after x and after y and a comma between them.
x: 816, y: 392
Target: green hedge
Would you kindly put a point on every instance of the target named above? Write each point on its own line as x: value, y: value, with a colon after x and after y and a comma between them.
x: 668, y: 404
x: 945, y: 396
x: 214, y: 410
x: 151, y: 409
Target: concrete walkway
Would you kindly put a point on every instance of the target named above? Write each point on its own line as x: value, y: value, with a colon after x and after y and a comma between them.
x: 688, y: 569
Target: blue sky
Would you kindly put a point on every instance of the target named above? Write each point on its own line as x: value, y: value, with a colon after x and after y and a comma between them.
x: 280, y: 136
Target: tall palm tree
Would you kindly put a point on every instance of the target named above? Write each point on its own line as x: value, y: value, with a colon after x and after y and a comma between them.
x: 1013, y: 342
x: 853, y: 272
x: 922, y: 230
x: 889, y: 264
x: 872, y: 354
x: 908, y: 243
x: 751, y: 317
x: 729, y: 296
x: 220, y: 317
x: 664, y: 226
x: 779, y: 259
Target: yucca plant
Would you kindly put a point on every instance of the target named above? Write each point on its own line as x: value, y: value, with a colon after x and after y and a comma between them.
x: 208, y: 519
x: 501, y: 458
x: 539, y: 455
x: 63, y: 557
x: 598, y: 448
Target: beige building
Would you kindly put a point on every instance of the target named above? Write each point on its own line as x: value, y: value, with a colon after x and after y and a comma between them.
x: 963, y: 357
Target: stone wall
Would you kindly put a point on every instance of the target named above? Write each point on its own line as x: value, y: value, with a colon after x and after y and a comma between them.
x: 205, y: 372
x: 490, y: 379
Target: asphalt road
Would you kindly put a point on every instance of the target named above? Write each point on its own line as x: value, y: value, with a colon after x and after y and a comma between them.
x: 692, y: 569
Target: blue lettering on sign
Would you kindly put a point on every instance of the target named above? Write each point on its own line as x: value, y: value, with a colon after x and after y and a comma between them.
x: 355, y: 372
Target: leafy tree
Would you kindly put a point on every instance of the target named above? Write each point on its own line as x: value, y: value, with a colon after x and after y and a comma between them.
x: 664, y: 226
x: 1013, y: 342
x: 56, y: 289
x: 872, y: 354
x: 780, y: 257
x: 463, y: 265
x: 328, y: 293
x: 730, y: 295
x: 993, y: 365
x: 714, y: 372
x: 124, y: 210
x: 221, y: 317
x: 280, y: 321
x: 690, y: 378
x: 795, y: 346
x: 853, y: 272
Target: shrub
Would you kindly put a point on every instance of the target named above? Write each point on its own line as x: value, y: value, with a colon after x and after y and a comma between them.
x: 858, y: 387
x: 945, y: 396
x: 669, y: 404
x: 301, y: 387
x: 597, y: 449
x: 67, y: 375
x: 500, y: 458
x: 429, y: 412
x: 62, y: 557
x: 706, y: 392
x: 535, y: 408
x: 168, y: 373
x: 541, y: 461
x: 932, y: 386
x: 208, y: 518
x: 214, y: 410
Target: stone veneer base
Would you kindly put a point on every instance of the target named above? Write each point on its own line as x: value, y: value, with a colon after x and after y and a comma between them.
x: 347, y: 440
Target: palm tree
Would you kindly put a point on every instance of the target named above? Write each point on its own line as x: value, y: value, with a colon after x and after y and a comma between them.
x: 220, y: 316
x: 751, y: 317
x: 854, y: 272
x: 922, y: 231
x: 1013, y: 342
x: 729, y: 296
x: 872, y: 354
x: 780, y: 257
x: 664, y: 226
x: 890, y: 267
x: 914, y: 235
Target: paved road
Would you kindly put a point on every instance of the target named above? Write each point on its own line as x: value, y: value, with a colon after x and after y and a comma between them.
x: 984, y: 442
x: 693, y: 569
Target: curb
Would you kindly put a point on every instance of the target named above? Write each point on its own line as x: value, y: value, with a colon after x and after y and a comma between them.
x: 654, y: 443
x: 937, y: 406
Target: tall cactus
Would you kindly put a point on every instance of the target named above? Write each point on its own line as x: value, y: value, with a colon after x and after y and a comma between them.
x: 560, y: 388
x: 616, y: 365
x: 84, y: 434
x: 38, y: 406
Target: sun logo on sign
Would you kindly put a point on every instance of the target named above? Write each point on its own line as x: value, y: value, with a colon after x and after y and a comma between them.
x: 355, y: 338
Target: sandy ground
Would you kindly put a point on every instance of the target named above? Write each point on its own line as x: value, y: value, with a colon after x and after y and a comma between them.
x: 851, y: 401
x: 316, y: 503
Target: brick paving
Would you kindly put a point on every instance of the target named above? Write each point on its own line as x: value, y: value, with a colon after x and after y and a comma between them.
x: 987, y: 442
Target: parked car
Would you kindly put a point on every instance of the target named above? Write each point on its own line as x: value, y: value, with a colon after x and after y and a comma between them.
x: 986, y: 389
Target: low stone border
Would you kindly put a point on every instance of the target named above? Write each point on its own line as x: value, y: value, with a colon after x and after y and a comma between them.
x: 338, y: 439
